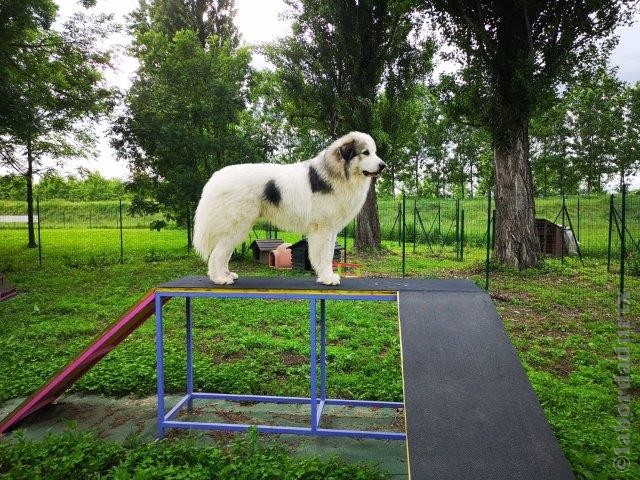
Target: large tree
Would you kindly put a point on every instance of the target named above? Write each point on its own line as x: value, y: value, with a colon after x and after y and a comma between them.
x: 513, y: 54
x: 55, y: 86
x: 340, y: 56
x: 626, y: 161
x: 183, y: 117
x: 594, y: 126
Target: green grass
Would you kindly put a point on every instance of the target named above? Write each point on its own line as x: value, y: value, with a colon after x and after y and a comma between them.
x: 81, y: 456
x: 561, y: 319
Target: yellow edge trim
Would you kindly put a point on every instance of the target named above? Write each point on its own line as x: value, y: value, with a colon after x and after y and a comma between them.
x: 277, y: 291
x: 404, y: 391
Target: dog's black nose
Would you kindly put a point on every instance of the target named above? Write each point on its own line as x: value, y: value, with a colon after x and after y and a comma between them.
x: 381, y: 167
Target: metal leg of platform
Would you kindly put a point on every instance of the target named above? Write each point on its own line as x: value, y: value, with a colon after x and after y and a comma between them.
x: 160, y: 365
x: 313, y: 357
x: 189, y: 342
x: 323, y: 358
x: 318, y: 386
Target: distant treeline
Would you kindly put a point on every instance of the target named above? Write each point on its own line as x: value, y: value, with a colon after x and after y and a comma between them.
x: 86, y: 186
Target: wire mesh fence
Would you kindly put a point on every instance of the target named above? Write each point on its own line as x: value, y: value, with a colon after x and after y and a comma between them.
x: 433, y: 221
x: 105, y: 232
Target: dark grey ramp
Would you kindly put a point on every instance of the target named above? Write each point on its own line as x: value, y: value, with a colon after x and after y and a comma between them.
x: 470, y: 410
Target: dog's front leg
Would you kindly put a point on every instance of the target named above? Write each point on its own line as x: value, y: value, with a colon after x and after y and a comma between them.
x: 321, y: 246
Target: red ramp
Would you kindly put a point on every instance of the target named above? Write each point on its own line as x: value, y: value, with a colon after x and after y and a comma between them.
x: 76, y: 368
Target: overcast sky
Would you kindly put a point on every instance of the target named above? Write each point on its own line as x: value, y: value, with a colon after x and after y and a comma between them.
x: 260, y: 21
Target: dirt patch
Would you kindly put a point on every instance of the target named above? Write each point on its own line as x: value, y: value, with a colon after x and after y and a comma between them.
x: 525, y: 322
x: 562, y: 367
x: 500, y: 297
x: 229, y: 357
x: 293, y: 358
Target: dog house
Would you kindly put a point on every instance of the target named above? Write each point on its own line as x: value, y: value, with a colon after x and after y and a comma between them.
x: 262, y: 248
x: 553, y: 240
x: 280, y: 257
x: 300, y: 255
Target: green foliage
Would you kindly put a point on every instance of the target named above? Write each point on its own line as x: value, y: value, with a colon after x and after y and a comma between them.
x: 75, y: 455
x: 56, y: 91
x: 333, y: 69
x: 184, y: 109
x: 589, y: 137
x: 89, y: 186
x: 20, y: 20
x: 514, y: 55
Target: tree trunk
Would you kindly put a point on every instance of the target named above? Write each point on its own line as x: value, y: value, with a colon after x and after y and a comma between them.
x: 368, y: 223
x: 517, y: 243
x: 29, y: 179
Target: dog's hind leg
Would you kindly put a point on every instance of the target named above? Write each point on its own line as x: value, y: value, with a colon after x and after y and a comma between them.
x: 321, y: 245
x: 219, y: 259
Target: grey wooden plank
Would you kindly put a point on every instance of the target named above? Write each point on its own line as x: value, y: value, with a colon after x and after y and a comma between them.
x: 470, y: 410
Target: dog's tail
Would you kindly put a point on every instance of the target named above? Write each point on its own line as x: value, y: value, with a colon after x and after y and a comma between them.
x: 203, y: 240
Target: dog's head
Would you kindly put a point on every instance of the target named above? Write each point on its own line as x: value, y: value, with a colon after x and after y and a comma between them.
x: 354, y: 155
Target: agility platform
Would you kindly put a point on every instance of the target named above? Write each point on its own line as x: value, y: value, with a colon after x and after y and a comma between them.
x: 470, y: 411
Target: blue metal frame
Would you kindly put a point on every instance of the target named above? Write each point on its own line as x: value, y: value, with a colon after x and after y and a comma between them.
x: 316, y: 403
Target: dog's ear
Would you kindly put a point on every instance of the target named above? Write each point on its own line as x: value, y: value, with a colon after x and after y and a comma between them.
x: 348, y: 150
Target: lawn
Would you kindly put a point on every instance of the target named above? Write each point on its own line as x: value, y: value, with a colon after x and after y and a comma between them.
x: 561, y: 319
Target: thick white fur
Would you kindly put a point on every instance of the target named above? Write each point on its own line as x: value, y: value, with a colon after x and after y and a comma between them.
x: 233, y: 199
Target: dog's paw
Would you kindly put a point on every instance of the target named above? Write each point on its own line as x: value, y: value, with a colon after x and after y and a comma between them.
x: 329, y: 279
x: 233, y: 275
x: 222, y: 280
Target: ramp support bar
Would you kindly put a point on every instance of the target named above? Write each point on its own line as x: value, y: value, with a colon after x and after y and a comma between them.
x: 318, y: 383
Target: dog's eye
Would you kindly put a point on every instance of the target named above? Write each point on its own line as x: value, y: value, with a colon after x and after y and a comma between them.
x: 366, y: 152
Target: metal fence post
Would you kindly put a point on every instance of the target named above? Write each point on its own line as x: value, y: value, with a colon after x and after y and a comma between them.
x: 462, y: 235
x: 564, y: 209
x: 457, y: 229
x: 39, y: 239
x: 121, y: 239
x: 611, y: 207
x: 623, y: 252
x: 404, y: 233
x: 415, y: 208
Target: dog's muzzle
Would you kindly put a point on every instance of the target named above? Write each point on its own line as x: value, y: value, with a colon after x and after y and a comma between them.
x: 381, y: 167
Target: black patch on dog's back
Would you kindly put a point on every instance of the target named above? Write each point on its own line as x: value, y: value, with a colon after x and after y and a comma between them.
x: 272, y: 193
x: 318, y: 184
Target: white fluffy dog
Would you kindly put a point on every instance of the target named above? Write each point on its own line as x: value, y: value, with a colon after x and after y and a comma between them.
x: 317, y: 197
